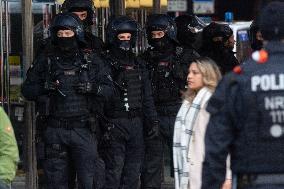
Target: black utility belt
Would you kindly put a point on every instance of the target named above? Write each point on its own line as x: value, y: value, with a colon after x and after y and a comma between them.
x: 125, y: 114
x: 68, y: 123
x: 260, y: 179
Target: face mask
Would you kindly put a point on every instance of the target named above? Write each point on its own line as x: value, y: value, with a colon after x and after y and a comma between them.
x: 217, y: 45
x: 67, y: 44
x: 160, y: 43
x: 230, y: 47
x: 124, y: 45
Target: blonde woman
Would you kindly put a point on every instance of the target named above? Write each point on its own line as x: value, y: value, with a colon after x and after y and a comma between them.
x: 191, y: 123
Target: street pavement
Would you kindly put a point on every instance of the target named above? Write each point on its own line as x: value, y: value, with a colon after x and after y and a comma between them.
x: 19, y: 183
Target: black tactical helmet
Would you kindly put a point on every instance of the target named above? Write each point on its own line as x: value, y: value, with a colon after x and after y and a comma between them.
x: 69, y: 21
x: 121, y: 24
x: 80, y: 5
x: 214, y: 30
x: 161, y: 22
x: 187, y: 27
x: 271, y: 21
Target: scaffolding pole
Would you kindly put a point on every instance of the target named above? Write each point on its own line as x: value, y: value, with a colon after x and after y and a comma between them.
x: 117, y: 7
x: 156, y: 6
x: 29, y: 150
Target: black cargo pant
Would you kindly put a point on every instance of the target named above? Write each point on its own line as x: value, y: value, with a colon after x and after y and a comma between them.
x: 67, y: 146
x: 123, y: 156
x: 153, y: 164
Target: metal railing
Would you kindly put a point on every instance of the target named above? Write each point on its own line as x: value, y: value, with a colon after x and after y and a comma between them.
x: 4, y: 53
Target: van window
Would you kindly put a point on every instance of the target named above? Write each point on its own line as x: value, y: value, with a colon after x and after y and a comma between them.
x: 243, y: 45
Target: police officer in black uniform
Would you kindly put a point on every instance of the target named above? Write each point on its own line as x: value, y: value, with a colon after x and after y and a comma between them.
x: 217, y: 44
x: 72, y: 84
x: 84, y: 9
x: 131, y: 103
x: 168, y: 77
x: 189, y: 27
x: 246, y: 116
x: 255, y: 36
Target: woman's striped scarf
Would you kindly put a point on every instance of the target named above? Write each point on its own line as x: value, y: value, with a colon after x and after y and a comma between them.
x: 184, y: 123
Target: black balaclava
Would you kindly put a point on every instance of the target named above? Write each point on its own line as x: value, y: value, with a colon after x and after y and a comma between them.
x: 188, y: 40
x: 253, y: 31
x: 124, y: 45
x: 86, y: 21
x: 121, y: 48
x: 161, y: 44
x: 68, y: 46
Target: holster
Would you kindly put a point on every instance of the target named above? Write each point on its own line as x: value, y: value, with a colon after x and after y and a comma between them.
x: 113, y: 132
x: 41, y: 125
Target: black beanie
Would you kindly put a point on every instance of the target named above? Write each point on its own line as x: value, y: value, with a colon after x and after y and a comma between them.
x: 271, y: 21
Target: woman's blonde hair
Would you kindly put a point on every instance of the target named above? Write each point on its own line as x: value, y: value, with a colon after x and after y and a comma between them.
x: 210, y: 73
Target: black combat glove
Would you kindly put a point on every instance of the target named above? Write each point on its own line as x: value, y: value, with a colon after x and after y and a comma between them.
x: 51, y: 86
x: 86, y: 87
x: 154, y: 130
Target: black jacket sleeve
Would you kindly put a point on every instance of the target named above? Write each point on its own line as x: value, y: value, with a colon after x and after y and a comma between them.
x: 229, y: 61
x: 149, y: 109
x: 220, y: 133
x: 33, y: 86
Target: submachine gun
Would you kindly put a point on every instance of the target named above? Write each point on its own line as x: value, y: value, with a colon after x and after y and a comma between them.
x: 111, y: 131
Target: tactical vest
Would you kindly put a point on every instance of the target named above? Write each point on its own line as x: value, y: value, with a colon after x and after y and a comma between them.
x: 128, y: 81
x: 165, y: 82
x: 66, y: 102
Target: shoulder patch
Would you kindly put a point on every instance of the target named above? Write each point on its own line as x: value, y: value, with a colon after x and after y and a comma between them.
x: 260, y: 56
